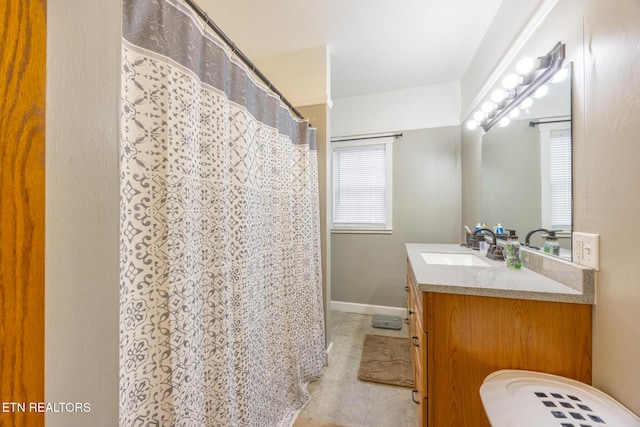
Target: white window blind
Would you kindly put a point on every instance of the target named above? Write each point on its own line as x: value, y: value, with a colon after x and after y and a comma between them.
x: 556, y: 188
x: 560, y: 178
x: 362, y: 184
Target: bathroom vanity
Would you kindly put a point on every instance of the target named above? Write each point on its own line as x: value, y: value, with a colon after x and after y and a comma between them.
x: 470, y: 316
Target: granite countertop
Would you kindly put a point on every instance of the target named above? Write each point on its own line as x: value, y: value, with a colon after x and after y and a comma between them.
x: 501, y: 281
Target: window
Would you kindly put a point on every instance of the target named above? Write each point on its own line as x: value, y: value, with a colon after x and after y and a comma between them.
x: 362, y: 185
x: 556, y: 176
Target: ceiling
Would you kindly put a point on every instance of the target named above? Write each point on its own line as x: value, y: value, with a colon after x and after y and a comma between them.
x: 375, y: 45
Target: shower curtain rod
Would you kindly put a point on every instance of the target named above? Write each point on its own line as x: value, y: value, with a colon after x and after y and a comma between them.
x: 242, y: 56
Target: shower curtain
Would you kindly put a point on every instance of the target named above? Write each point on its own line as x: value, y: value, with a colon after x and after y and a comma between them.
x: 221, y: 319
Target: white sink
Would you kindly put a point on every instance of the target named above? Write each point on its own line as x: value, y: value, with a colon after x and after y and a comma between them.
x: 468, y: 260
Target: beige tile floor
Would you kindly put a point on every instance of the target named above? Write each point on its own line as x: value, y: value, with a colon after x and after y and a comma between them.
x: 341, y: 398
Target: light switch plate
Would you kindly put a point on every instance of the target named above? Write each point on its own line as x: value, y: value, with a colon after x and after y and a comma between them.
x: 586, y: 249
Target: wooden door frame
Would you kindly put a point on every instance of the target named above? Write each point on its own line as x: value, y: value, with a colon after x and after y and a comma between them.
x: 22, y: 210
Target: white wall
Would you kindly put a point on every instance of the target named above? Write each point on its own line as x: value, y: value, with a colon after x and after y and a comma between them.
x: 303, y: 77
x: 82, y: 210
x: 407, y: 109
x: 511, y: 19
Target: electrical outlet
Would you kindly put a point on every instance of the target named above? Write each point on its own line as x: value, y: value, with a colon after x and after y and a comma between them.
x: 586, y: 249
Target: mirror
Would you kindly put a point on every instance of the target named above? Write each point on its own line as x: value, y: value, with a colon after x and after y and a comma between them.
x: 526, y: 169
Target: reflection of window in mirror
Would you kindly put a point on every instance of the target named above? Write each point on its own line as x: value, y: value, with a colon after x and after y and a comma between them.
x: 555, y: 164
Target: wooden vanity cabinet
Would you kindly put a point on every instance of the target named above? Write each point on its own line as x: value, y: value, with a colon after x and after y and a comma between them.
x: 457, y: 340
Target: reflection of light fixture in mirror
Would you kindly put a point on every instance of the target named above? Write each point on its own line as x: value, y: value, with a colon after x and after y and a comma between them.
x: 526, y: 104
x: 560, y: 75
x: 542, y: 91
x: 533, y: 74
x: 487, y: 107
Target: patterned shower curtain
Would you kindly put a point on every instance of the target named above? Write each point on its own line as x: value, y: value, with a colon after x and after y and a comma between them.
x: 221, y: 320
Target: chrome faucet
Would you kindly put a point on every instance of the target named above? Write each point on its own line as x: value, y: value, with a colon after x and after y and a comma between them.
x: 529, y: 234
x: 494, y: 252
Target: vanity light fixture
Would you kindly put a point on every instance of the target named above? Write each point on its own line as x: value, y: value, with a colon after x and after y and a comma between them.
x: 519, y: 89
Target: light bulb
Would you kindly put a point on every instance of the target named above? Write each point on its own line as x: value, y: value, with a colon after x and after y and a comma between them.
x: 526, y: 104
x: 524, y: 66
x: 542, y: 91
x: 478, y: 116
x: 487, y: 107
x: 510, y: 81
x: 497, y: 96
x: 472, y: 124
x: 504, y: 122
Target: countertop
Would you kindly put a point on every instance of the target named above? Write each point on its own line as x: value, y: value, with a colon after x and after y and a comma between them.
x: 495, y: 281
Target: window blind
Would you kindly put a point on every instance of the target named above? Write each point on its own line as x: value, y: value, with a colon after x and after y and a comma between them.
x: 560, y: 178
x: 359, y: 186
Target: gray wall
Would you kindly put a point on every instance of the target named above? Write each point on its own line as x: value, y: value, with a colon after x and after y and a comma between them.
x: 606, y: 146
x: 511, y: 177
x: 82, y: 210
x: 371, y: 268
x: 606, y: 190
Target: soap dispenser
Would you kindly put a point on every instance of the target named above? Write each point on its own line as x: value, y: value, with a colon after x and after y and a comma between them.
x: 512, y: 252
x: 551, y: 244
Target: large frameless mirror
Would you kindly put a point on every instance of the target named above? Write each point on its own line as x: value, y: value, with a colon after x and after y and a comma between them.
x: 527, y: 170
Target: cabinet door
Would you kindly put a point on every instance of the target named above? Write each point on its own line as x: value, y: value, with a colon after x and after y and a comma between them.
x: 418, y: 343
x: 473, y: 336
x: 418, y: 359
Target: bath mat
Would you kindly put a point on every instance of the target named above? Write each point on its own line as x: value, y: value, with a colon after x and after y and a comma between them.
x: 386, y: 360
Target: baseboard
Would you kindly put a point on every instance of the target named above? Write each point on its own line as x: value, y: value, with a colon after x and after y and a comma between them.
x: 352, y: 307
x: 327, y: 353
